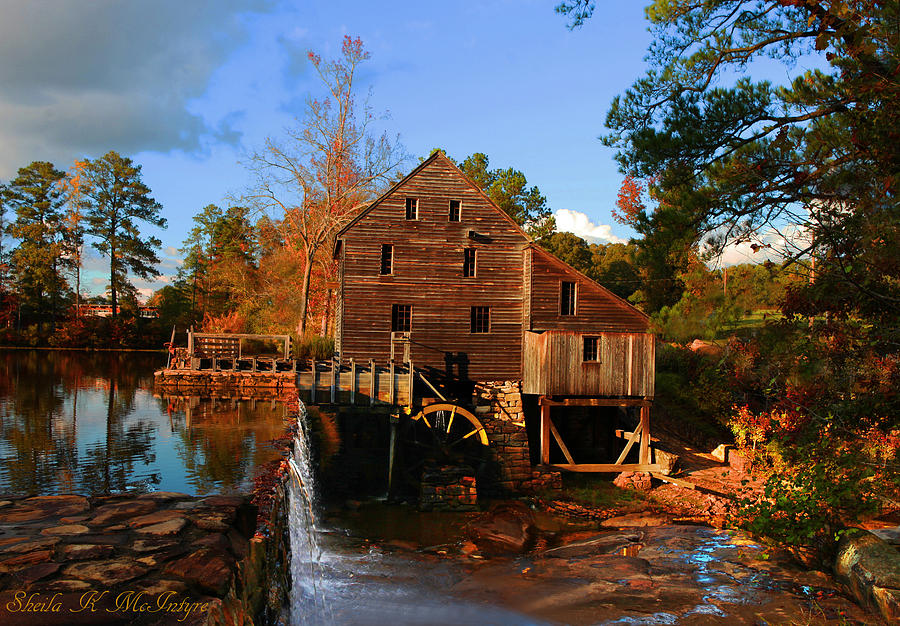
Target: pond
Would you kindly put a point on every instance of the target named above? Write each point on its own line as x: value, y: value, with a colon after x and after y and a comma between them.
x: 89, y: 423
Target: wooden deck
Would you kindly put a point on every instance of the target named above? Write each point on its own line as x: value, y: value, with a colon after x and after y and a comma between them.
x: 316, y: 382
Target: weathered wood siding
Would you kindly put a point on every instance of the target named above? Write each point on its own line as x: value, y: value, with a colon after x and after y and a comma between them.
x: 428, y: 274
x: 553, y: 365
x: 596, y: 308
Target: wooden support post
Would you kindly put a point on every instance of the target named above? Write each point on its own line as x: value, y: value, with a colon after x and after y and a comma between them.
x: 372, y: 387
x: 334, y: 381
x: 392, y: 386
x: 645, y: 436
x: 409, y: 396
x: 545, y: 434
x: 312, y: 383
x: 352, y: 382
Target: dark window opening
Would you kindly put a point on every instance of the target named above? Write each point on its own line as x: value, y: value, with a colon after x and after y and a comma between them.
x: 591, y: 349
x: 387, y: 258
x: 481, y: 319
x: 567, y: 299
x: 401, y: 318
x: 454, y: 210
x: 469, y: 263
x: 412, y: 208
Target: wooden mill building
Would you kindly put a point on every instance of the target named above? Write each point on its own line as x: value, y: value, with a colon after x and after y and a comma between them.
x: 435, y: 264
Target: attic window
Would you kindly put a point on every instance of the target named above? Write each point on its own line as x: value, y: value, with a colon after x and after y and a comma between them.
x: 387, y: 259
x: 454, y: 210
x: 591, y: 350
x: 567, y: 298
x: 469, y: 263
x: 412, y: 208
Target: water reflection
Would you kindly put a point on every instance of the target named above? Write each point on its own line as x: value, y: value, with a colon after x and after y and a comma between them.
x: 76, y: 422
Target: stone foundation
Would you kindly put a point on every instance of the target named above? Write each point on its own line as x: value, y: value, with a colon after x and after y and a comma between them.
x: 448, y: 488
x: 498, y: 406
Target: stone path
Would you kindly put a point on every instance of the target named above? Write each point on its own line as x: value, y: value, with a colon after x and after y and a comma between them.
x: 154, y: 558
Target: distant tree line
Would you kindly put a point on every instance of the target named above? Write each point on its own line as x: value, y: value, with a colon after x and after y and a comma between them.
x: 48, y: 216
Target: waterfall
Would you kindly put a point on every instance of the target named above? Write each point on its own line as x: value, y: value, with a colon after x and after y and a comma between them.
x: 308, y: 602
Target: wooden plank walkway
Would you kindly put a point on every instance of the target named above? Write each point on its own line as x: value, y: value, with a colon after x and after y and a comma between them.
x: 318, y: 382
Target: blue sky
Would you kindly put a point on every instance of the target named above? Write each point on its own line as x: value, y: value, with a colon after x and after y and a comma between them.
x: 188, y: 89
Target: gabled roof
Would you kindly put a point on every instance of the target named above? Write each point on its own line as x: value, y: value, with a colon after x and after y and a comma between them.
x: 431, y: 159
x: 593, y: 283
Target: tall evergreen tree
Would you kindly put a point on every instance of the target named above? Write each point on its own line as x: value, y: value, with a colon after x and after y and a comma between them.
x: 115, y: 201
x: 39, y: 260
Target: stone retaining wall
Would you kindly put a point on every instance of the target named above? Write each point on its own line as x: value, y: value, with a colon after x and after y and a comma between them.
x: 448, y: 488
x: 498, y: 406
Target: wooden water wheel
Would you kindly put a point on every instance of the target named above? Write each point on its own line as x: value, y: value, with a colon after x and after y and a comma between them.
x: 442, y: 434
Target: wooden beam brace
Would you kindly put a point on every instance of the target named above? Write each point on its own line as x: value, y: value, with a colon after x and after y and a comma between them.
x: 631, y: 440
x: 609, y: 467
x: 595, y: 402
x: 559, y: 442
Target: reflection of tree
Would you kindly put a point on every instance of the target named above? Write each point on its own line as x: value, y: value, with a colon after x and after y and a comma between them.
x: 126, y: 444
x: 39, y: 413
x: 221, y: 442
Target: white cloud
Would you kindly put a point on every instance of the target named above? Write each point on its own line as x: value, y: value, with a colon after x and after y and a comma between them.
x: 580, y: 224
x: 81, y: 78
x: 769, y: 245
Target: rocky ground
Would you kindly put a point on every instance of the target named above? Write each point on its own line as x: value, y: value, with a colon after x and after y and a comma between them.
x: 157, y: 558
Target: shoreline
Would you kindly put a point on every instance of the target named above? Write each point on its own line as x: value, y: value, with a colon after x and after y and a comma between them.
x: 61, y: 349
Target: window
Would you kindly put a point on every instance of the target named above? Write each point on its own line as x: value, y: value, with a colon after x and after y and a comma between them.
x: 401, y: 318
x: 412, y: 208
x: 454, y: 210
x: 567, y: 299
x: 387, y: 258
x: 469, y: 263
x: 481, y: 319
x: 591, y: 352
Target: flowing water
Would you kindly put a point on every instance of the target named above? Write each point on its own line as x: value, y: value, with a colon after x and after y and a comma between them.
x: 340, y: 580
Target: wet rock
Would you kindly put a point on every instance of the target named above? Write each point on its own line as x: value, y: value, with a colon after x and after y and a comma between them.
x: 870, y: 568
x: 150, y: 545
x: 889, y: 535
x: 59, y: 506
x: 635, y: 520
x: 164, y: 529
x: 205, y: 568
x: 164, y: 496
x: 37, y: 572
x: 156, y: 587
x: 212, y: 522
x: 19, y: 514
x: 118, y: 511
x: 217, y: 541
x: 4, y: 503
x: 220, y: 501
x: 28, y: 546
x: 155, y: 518
x: 239, y: 544
x: 86, y: 551
x: 106, y: 573
x: 74, y: 519
x: 66, y: 530
x: 24, y: 560
x: 68, y: 586
x: 598, y: 545
x: 507, y: 527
